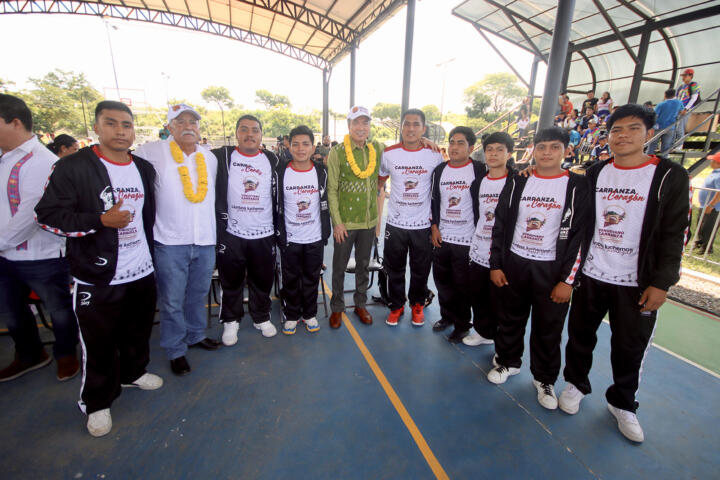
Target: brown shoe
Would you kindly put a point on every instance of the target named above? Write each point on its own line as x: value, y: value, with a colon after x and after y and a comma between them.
x: 364, y: 315
x: 67, y: 367
x: 19, y: 368
x: 335, y: 319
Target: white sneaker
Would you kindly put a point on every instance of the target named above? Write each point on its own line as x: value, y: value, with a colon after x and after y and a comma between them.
x: 229, y: 336
x: 267, y: 328
x: 546, y: 395
x: 289, y: 327
x: 500, y: 373
x: 99, y: 423
x: 628, y: 424
x: 473, y: 339
x: 147, y: 381
x: 570, y: 398
x: 311, y: 324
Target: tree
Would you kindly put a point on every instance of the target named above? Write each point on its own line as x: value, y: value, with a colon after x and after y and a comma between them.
x: 271, y: 100
x: 497, y: 91
x: 432, y: 113
x: 62, y: 100
x: 221, y: 96
x: 386, y: 111
x: 5, y: 85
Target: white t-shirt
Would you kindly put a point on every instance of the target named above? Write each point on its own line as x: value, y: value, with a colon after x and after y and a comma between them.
x: 134, y: 260
x: 620, y: 202
x: 250, y: 196
x: 539, y: 217
x: 410, y: 173
x: 457, y: 221
x: 179, y: 221
x: 488, y: 196
x: 302, y: 205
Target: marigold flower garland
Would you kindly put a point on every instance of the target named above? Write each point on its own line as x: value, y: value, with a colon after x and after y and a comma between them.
x: 353, y: 164
x: 202, y: 188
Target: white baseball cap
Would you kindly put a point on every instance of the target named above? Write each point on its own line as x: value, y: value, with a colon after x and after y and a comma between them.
x: 175, y: 110
x: 358, y: 111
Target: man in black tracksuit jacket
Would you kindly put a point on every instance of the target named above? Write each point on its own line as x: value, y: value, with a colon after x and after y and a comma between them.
x: 301, y: 260
x: 246, y: 230
x: 532, y: 276
x: 653, y: 196
x: 114, y: 297
x: 453, y: 224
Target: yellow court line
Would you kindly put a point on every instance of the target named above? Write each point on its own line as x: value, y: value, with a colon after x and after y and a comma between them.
x: 430, y: 458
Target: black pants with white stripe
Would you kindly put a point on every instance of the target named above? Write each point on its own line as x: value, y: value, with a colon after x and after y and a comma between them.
x: 115, y: 323
x: 238, y: 257
x: 530, y: 283
x: 486, y: 301
x: 301, y: 265
x: 631, y: 330
x: 451, y: 271
x: 398, y: 242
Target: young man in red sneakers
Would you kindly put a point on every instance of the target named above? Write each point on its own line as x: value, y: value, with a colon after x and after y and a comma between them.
x: 410, y: 168
x: 454, y: 215
x: 634, y: 242
x: 485, y: 296
x: 534, y: 257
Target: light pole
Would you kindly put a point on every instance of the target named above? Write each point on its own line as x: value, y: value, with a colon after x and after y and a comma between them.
x: 112, y: 56
x: 442, y: 94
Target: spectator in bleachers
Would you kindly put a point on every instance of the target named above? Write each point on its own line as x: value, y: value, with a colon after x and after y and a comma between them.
x: 522, y: 124
x: 666, y: 114
x: 566, y: 107
x: 590, y: 102
x: 689, y: 94
x: 589, y: 116
x: 571, y: 120
x: 601, y: 147
x: 710, y: 202
x: 604, y: 105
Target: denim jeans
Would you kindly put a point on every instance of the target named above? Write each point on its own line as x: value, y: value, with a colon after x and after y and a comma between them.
x: 666, y: 141
x: 680, y: 128
x: 183, y: 276
x: 50, y: 280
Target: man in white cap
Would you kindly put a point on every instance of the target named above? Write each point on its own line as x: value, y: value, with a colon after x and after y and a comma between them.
x: 353, y: 167
x: 184, y: 234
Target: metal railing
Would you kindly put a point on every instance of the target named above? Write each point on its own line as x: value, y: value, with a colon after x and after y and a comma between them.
x: 714, y: 97
x: 690, y: 247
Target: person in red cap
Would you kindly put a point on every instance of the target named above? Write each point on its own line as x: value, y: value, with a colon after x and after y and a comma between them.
x: 689, y: 94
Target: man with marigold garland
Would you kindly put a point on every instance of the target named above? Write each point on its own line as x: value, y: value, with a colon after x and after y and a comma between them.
x: 184, y: 234
x: 353, y: 167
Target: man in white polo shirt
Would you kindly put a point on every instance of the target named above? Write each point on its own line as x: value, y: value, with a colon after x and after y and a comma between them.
x: 184, y: 234
x: 30, y: 259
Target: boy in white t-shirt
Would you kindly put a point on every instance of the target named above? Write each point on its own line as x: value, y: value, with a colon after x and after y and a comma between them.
x: 638, y: 218
x: 303, y: 228
x: 485, y: 296
x: 535, y: 254
x: 454, y: 215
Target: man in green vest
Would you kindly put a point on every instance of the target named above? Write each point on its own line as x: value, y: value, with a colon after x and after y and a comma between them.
x: 352, y: 196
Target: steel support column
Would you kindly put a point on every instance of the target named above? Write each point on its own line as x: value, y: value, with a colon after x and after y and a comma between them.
x: 639, y: 67
x: 326, y: 102
x: 409, y: 32
x: 556, y: 62
x: 531, y: 87
x: 353, y: 54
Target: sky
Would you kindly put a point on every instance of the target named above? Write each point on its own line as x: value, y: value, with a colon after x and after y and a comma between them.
x: 157, y: 62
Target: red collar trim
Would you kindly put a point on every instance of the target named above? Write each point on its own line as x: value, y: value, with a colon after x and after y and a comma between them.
x: 496, y: 178
x: 653, y: 159
x: 563, y: 174
x: 246, y: 155
x: 410, y: 150
x: 97, y: 152
x: 290, y: 165
x: 459, y: 166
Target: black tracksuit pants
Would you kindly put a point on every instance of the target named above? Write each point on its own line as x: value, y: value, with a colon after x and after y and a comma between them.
x: 485, y: 300
x: 237, y: 258
x: 115, y: 324
x: 451, y: 271
x: 301, y: 265
x: 398, y: 242
x: 631, y: 330
x: 530, y: 283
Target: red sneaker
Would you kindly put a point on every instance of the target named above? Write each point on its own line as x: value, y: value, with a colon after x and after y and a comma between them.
x: 418, y: 317
x: 394, y: 316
